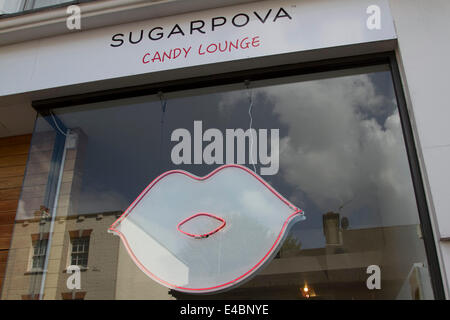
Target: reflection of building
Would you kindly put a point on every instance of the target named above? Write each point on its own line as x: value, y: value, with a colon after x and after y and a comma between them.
x: 67, y: 239
x: 77, y: 240
x: 338, y: 272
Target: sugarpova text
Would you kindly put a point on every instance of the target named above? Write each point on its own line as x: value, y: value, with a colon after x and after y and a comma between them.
x: 251, y: 147
x: 239, y: 20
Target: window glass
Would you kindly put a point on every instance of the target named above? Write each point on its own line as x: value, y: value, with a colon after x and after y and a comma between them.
x: 45, y: 3
x: 80, y: 251
x: 11, y: 6
x: 39, y: 251
x: 14, y: 6
x: 331, y: 144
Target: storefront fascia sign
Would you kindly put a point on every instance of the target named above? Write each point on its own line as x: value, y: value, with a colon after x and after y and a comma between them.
x: 233, y: 33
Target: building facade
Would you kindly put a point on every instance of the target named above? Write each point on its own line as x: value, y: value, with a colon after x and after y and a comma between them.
x: 335, y: 106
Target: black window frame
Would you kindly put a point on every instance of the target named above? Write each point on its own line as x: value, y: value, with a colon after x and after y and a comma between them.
x: 39, y: 253
x: 44, y: 107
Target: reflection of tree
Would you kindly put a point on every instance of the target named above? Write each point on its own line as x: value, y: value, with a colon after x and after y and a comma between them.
x: 290, y: 247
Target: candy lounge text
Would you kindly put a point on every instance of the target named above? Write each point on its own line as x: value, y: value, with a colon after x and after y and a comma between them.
x: 203, y: 49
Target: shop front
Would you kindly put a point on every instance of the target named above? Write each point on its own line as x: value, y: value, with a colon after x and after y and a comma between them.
x: 258, y: 151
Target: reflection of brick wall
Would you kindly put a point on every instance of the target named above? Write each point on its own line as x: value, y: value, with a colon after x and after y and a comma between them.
x: 13, y: 157
x: 98, y: 281
x: 67, y: 208
x: 36, y: 177
x: 20, y: 281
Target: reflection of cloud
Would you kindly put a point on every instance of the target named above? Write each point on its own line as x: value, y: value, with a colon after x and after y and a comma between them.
x: 252, y: 200
x: 336, y: 150
x: 228, y: 103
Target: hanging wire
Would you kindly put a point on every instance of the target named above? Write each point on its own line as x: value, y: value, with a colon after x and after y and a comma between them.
x: 56, y: 124
x: 163, y: 102
x: 250, y: 98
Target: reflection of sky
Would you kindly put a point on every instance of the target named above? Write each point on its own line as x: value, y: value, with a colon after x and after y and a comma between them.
x: 340, y: 142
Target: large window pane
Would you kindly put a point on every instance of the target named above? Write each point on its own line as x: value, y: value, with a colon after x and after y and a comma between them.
x: 337, y: 153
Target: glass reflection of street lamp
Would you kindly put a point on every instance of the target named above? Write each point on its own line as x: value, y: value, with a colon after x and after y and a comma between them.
x: 331, y: 229
x: 307, y: 292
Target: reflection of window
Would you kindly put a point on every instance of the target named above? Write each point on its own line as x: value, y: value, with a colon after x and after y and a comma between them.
x: 39, y: 250
x: 80, y: 251
x: 34, y: 4
x: 13, y: 6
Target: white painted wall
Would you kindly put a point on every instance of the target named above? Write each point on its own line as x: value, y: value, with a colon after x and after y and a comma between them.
x: 424, y: 49
x: 86, y: 56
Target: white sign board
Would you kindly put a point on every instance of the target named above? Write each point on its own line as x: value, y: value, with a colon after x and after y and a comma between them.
x: 224, y: 34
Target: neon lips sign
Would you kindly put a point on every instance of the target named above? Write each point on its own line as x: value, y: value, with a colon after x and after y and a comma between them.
x: 205, y: 234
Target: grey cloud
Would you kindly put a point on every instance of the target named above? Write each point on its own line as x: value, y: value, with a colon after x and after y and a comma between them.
x: 336, y: 150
